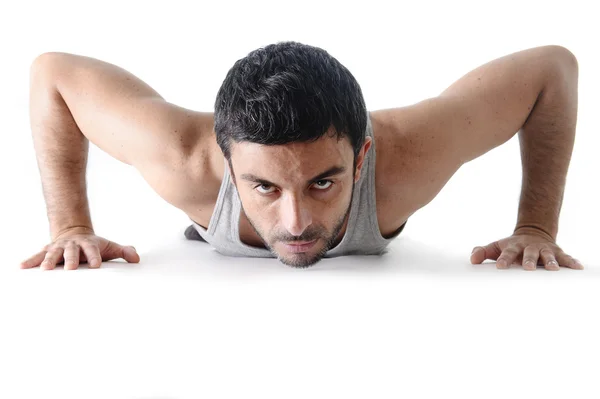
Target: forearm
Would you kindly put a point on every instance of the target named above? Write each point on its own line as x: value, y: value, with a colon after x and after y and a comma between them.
x: 61, y: 152
x: 546, y: 141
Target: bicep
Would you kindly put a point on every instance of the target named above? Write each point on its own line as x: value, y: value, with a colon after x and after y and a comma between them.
x: 169, y: 145
x: 179, y: 184
x: 489, y: 105
x: 430, y: 140
x: 118, y: 112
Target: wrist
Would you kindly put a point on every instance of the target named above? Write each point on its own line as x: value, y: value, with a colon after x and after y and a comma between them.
x: 72, y: 230
x: 534, y: 229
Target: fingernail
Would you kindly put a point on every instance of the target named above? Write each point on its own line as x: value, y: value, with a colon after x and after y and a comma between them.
x: 474, y: 249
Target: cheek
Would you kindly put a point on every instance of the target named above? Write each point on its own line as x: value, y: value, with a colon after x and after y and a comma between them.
x: 259, y: 211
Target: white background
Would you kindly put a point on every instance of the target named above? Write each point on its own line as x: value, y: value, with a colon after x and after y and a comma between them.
x: 186, y: 322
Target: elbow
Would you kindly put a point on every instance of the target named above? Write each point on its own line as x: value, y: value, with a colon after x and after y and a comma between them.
x: 43, y: 60
x: 46, y: 63
x: 42, y: 65
x: 564, y: 60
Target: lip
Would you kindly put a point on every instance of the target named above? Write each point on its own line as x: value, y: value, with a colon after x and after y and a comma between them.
x: 303, y: 246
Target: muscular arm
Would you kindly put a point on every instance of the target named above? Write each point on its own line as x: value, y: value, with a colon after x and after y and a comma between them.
x: 546, y: 142
x: 532, y: 92
x: 61, y: 151
x: 74, y: 99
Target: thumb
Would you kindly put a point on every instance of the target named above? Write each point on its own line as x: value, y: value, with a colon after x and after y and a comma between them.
x: 490, y: 251
x: 130, y: 254
x: 114, y: 251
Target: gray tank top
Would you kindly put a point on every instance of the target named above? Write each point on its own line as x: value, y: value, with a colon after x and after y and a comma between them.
x: 362, y: 236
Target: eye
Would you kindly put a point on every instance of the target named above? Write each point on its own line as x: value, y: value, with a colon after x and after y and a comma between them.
x: 322, y: 185
x: 264, y: 191
x: 325, y: 186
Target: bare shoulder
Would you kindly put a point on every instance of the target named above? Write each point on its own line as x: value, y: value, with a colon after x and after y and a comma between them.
x: 409, y: 172
x: 172, y: 147
x: 420, y: 146
x: 188, y: 172
x: 201, y: 172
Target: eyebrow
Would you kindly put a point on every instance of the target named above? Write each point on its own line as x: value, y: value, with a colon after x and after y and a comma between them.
x: 334, y: 170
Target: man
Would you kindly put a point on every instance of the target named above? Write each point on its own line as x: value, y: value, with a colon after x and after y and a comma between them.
x: 291, y: 164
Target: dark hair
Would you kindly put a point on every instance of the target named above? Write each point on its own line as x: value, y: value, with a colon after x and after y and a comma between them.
x: 288, y: 92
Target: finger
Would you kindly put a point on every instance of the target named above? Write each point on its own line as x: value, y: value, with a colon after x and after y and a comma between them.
x: 71, y: 256
x: 548, y: 259
x: 33, y: 261
x: 568, y: 261
x: 92, y: 254
x: 130, y: 254
x: 507, y: 257
x: 531, y: 256
x: 52, y: 258
x: 114, y: 251
x: 490, y: 251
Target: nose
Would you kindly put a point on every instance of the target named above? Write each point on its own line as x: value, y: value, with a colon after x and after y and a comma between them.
x: 296, y: 216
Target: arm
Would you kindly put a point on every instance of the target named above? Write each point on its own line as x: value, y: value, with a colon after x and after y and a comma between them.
x: 544, y: 95
x: 76, y: 99
x: 546, y: 142
x: 532, y: 91
x: 62, y: 171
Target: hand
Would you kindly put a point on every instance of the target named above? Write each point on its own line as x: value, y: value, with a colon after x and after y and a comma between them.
x: 76, y: 246
x: 526, y: 248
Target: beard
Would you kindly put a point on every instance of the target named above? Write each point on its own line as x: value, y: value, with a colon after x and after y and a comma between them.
x: 304, y: 260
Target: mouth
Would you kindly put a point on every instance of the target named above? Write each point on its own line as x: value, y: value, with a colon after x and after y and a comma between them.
x: 299, y: 246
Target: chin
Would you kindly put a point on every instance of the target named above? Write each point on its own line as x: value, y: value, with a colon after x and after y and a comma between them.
x: 302, y: 259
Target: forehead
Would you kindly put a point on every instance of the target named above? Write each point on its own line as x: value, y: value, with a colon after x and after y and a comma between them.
x: 292, y: 160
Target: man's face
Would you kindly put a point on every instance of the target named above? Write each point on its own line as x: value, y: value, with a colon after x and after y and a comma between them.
x: 297, y: 193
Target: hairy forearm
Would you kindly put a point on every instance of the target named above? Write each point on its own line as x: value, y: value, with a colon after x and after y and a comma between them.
x: 546, y: 141
x: 61, y: 151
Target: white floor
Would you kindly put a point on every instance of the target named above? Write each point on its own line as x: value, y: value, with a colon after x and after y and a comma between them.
x: 420, y: 322
x: 187, y: 322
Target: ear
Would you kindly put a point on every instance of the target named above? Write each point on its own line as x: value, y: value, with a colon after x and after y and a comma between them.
x: 360, y: 158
